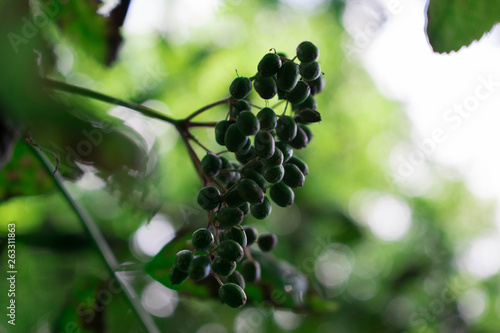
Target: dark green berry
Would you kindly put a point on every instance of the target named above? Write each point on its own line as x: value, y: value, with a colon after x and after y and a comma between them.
x: 264, y: 144
x: 317, y: 85
x: 300, y: 141
x: 267, y: 242
x: 229, y: 216
x: 245, y: 208
x: 220, y: 131
x: 202, y: 239
x: 251, y: 233
x: 183, y: 259
x: 209, y: 198
x: 261, y: 211
x: 288, y: 75
x: 273, y: 174
x: 232, y: 295
x: 293, y: 176
x: 285, y: 149
x: 245, y: 148
x: 307, y: 52
x: 230, y: 250
x: 282, y: 194
x: 177, y: 276
x: 269, y: 64
x: 237, y: 278
x: 247, y: 157
x: 255, y: 176
x: 240, y: 106
x: 267, y: 118
x: 240, y: 87
x: 250, y: 191
x: 308, y: 116
x: 310, y: 71
x: 247, y: 123
x: 286, y: 128
x: 233, y: 198
x: 309, y: 103
x: 223, y: 267
x: 237, y: 234
x: 225, y: 176
x: 276, y: 159
x: 250, y: 269
x: 234, y: 139
x: 211, y: 165
x: 265, y: 86
x: 300, y: 164
x: 308, y: 132
x: 199, y: 268
x: 299, y: 93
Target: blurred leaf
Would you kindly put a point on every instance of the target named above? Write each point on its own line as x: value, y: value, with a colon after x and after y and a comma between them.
x: 453, y: 24
x: 7, y: 141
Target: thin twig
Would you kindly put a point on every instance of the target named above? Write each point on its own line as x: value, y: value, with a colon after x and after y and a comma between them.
x: 207, y: 107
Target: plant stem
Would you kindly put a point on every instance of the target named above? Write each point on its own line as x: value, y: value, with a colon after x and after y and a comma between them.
x: 207, y: 107
x: 63, y: 86
x: 100, y: 242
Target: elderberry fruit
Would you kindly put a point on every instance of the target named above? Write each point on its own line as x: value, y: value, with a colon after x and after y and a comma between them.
x: 237, y: 278
x: 267, y: 118
x: 252, y: 174
x: 317, y: 85
x: 229, y: 216
x: 230, y: 250
x: 211, y: 165
x: 247, y: 123
x: 250, y: 191
x: 307, y: 52
x: 299, y: 93
x: 286, y: 128
x: 293, y: 176
x: 209, y: 198
x: 269, y: 64
x: 309, y: 103
x: 261, y: 211
x: 265, y: 86
x: 232, y: 295
x: 183, y: 259
x: 234, y: 139
x: 300, y: 141
x: 237, y: 234
x: 250, y: 269
x: 177, y: 276
x: 282, y: 194
x: 276, y: 159
x: 220, y: 131
x: 300, y: 164
x: 202, y: 239
x: 251, y: 234
x: 310, y: 71
x: 264, y: 144
x: 288, y: 75
x: 308, y: 116
x: 308, y: 132
x: 223, y: 267
x: 267, y: 242
x: 273, y: 174
x: 199, y: 268
x: 240, y: 106
x: 240, y: 87
x: 285, y: 149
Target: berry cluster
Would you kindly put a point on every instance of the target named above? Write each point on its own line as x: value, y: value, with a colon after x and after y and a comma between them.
x: 266, y: 166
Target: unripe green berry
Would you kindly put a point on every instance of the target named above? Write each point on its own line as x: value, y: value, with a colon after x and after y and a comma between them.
x: 247, y: 157
x: 177, y: 276
x: 240, y: 106
x: 209, y: 198
x: 211, y: 165
x: 250, y: 269
x: 220, y: 131
x: 247, y: 123
x: 267, y: 242
x: 288, y: 75
x: 199, y: 268
x: 307, y: 52
x: 300, y: 164
x: 267, y: 118
x: 264, y: 144
x: 240, y: 87
x: 229, y: 217
x: 308, y: 132
x: 282, y: 194
x: 223, y: 267
x: 250, y: 191
x: 273, y: 174
x: 230, y: 250
x: 237, y: 234
x: 309, y: 103
x: 234, y: 139
x: 286, y: 128
x: 317, y: 85
x: 202, y: 239
x: 233, y: 198
x: 310, y: 71
x: 265, y: 86
x: 300, y: 141
x: 236, y: 278
x: 225, y: 176
x: 261, y: 211
x: 232, y: 295
x: 285, y: 149
x: 252, y: 174
x: 251, y: 234
x: 269, y: 64
x: 293, y: 176
x: 308, y: 116
x: 276, y: 159
x: 183, y: 259
x: 299, y: 93
x: 245, y: 208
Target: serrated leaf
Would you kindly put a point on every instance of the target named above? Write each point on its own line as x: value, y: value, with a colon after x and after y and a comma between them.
x: 453, y: 24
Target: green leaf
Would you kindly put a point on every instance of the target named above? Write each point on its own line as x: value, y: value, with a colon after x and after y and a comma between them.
x: 453, y: 24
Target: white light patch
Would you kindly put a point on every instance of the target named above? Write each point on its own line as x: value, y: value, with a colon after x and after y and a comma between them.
x: 286, y: 319
x: 151, y: 237
x: 158, y: 300
x: 472, y: 304
x: 334, y: 266
x: 482, y: 258
x: 388, y: 217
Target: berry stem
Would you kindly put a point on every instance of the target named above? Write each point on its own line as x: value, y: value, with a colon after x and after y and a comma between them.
x: 217, y: 278
x: 207, y: 107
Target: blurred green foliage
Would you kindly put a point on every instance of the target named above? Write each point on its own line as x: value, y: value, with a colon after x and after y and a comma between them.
x: 353, y: 281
